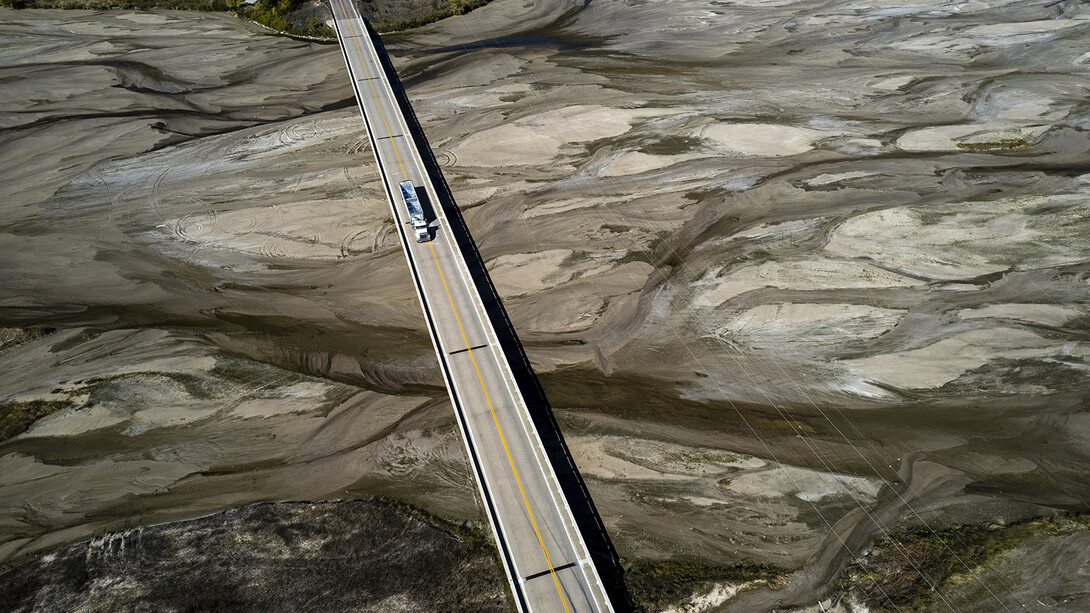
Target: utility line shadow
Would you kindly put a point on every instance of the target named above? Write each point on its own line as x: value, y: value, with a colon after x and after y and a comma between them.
x: 575, y: 490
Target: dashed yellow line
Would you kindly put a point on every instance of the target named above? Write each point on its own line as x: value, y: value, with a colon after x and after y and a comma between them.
x: 503, y: 439
x: 374, y: 92
x: 465, y: 339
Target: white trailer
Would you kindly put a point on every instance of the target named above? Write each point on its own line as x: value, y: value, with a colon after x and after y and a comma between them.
x: 416, y: 213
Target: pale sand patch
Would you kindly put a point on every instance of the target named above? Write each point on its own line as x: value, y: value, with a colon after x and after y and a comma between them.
x: 701, y: 501
x: 946, y: 360
x: 594, y: 461
x: 609, y: 264
x: 804, y: 324
x: 669, y: 458
x: 476, y: 100
x: 288, y: 399
x: 20, y: 468
x: 555, y: 207
x: 472, y: 97
x: 804, y: 484
x: 720, y: 593
x: 145, y: 18
x: 312, y: 230
x: 521, y: 273
x: 565, y: 311
x: 616, y: 457
x: 829, y: 178
x: 291, y: 137
x: 119, y: 31
x: 74, y: 421
x: 150, y: 400
x: 601, y: 294
x: 761, y: 3
x: 821, y: 274
x: 404, y: 455
x: 474, y: 195
x: 636, y: 162
x: 175, y: 412
x: 508, y: 145
x: 780, y: 230
x: 1046, y: 314
x: 484, y: 71
x: 88, y: 488
x: 859, y: 386
x: 981, y: 135
x: 762, y: 139
x: 364, y: 417
x: 129, y: 353
x: 512, y: 88
x: 894, y: 83
x: 537, y: 139
x: 895, y: 8
x: 947, y: 41
x: 860, y: 146
x: 968, y: 239
x: 1018, y: 105
x: 1019, y: 32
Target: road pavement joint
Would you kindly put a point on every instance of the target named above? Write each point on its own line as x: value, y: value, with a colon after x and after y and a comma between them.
x: 557, y: 513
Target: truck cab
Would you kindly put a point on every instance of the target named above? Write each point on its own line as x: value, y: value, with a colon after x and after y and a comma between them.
x: 416, y: 212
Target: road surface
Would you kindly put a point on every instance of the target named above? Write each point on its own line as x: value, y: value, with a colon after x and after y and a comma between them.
x: 546, y: 560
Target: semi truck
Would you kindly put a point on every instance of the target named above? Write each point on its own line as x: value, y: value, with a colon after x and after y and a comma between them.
x: 416, y: 213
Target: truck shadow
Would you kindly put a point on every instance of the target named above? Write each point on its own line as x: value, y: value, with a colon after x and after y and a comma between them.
x: 586, y: 514
x: 427, y: 207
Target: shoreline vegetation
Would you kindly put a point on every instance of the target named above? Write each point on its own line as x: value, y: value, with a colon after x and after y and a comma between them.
x: 906, y: 571
x: 439, y: 11
x: 300, y: 18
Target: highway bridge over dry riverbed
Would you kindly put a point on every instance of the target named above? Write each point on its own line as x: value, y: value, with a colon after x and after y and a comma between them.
x: 546, y: 559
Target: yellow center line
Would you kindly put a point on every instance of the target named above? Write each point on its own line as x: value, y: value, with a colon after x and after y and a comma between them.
x: 503, y: 439
x: 374, y: 93
x: 465, y: 339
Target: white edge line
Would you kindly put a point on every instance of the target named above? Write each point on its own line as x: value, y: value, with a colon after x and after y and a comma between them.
x: 518, y: 594
x: 508, y: 376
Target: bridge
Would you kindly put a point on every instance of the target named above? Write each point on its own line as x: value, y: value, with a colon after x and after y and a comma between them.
x: 545, y: 557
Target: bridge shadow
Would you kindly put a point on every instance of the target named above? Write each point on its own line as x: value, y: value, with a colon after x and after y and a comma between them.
x: 586, y: 514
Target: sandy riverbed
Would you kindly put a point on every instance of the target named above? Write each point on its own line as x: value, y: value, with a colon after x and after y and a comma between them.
x: 843, y: 241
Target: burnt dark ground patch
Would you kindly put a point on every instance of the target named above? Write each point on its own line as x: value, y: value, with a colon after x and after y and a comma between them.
x: 332, y: 556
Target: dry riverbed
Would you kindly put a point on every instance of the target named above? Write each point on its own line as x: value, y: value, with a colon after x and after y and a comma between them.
x: 793, y: 274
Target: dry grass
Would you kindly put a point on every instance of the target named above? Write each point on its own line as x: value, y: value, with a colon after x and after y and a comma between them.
x: 16, y: 417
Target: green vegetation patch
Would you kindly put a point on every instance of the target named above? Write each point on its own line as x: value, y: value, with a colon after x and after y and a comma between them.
x: 902, y: 571
x: 1003, y: 144
x: 10, y: 337
x: 101, y: 5
x: 16, y: 417
x: 439, y: 10
x: 654, y: 585
x: 293, y: 17
x: 288, y: 16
